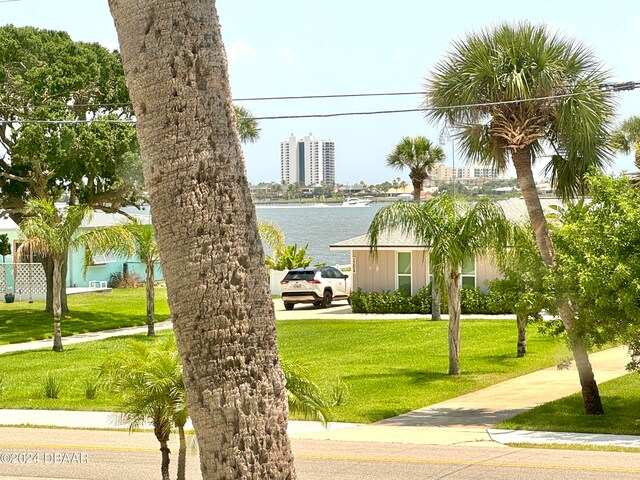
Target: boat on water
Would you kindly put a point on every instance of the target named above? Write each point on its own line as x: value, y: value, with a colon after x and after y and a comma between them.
x: 356, y: 202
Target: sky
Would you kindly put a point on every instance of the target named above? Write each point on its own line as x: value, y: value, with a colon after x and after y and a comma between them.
x: 301, y: 47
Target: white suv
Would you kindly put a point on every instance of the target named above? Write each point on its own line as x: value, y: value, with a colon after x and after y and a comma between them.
x: 319, y: 286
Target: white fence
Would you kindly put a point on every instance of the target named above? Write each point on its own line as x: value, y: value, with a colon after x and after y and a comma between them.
x: 26, y: 280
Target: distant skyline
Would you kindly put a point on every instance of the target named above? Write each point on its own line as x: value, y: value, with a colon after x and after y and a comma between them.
x: 292, y: 48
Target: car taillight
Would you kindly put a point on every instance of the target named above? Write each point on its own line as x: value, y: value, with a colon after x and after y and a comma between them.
x: 313, y: 281
x: 284, y: 282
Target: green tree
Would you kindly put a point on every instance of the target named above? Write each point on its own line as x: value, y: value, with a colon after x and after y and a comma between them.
x: 149, y: 381
x: 626, y: 138
x: 49, y: 231
x: 524, y: 280
x: 505, y: 91
x: 454, y: 231
x: 598, y: 248
x: 418, y: 155
x: 126, y: 240
x: 5, y: 246
x: 207, y: 234
x: 46, y: 76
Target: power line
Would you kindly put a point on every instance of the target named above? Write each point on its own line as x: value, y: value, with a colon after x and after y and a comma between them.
x: 603, y: 88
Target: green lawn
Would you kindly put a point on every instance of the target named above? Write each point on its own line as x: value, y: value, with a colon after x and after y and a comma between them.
x: 388, y: 366
x: 391, y: 367
x: 89, y: 312
x: 621, y: 400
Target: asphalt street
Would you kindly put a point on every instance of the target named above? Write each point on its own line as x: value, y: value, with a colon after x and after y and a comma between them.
x: 111, y: 455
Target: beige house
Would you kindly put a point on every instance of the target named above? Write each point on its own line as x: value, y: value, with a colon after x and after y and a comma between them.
x: 402, y: 262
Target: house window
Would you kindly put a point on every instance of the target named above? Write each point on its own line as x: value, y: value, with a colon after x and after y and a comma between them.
x: 469, y: 272
x: 102, y: 259
x: 404, y: 272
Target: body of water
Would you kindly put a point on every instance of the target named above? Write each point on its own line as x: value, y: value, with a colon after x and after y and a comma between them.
x: 320, y: 226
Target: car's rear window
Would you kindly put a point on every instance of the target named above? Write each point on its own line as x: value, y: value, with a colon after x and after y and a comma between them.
x: 300, y: 275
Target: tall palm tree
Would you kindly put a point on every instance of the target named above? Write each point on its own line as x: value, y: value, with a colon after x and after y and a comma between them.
x: 454, y: 231
x: 52, y: 232
x: 626, y: 138
x: 506, y: 93
x: 420, y: 156
x: 207, y: 234
x: 128, y: 239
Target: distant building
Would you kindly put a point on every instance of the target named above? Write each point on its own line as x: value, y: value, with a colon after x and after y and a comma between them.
x: 308, y: 161
x: 468, y: 173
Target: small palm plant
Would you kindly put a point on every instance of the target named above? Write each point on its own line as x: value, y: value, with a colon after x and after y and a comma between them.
x: 148, y: 379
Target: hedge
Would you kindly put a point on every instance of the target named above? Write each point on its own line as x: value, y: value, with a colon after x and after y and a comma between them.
x: 499, y: 300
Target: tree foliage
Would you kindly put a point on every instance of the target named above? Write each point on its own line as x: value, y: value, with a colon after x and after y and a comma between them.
x: 46, y: 76
x: 598, y: 247
x: 418, y: 155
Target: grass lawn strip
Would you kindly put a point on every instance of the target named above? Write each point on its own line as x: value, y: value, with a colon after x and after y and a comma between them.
x: 621, y: 399
x: 388, y: 367
x: 89, y: 312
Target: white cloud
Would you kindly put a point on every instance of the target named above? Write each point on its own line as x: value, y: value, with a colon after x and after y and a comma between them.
x: 241, y: 48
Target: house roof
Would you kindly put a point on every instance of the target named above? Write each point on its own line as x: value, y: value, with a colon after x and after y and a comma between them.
x: 514, y: 209
x: 98, y: 219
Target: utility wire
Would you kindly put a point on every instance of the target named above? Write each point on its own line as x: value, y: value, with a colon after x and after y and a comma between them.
x: 604, y: 88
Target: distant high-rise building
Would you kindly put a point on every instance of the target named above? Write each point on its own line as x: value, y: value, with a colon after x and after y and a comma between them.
x: 308, y: 161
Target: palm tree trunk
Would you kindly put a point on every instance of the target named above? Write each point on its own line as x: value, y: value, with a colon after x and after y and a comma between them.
x: 207, y: 236
x: 453, y: 289
x: 522, y: 334
x: 524, y: 173
x: 522, y: 164
x: 182, y: 453
x: 150, y: 300
x: 47, y: 264
x: 417, y: 191
x: 164, y: 467
x: 57, y: 308
x: 435, y: 301
x: 590, y: 393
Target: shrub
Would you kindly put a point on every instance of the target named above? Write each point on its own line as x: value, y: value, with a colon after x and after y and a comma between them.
x: 90, y: 390
x: 126, y: 280
x: 472, y: 301
x: 52, y: 386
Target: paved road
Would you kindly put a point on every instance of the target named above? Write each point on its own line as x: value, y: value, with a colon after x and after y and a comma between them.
x: 112, y: 455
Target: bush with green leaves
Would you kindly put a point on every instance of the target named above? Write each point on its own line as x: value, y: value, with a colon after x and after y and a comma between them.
x: 288, y: 258
x: 472, y: 301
